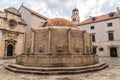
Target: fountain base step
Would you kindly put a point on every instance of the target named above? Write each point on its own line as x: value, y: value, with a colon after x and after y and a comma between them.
x: 54, y: 70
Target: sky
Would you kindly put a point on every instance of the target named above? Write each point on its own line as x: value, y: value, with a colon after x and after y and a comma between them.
x: 63, y: 8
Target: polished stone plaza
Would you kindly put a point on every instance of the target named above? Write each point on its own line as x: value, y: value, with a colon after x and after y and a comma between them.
x: 110, y: 73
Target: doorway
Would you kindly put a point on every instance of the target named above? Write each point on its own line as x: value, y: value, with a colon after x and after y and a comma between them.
x: 10, y: 50
x: 113, y: 52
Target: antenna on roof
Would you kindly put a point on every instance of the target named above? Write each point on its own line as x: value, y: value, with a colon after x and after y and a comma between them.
x: 117, y: 8
x: 75, y: 7
x: 74, y: 2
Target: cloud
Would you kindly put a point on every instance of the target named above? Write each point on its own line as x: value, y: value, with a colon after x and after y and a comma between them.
x: 52, y: 8
x: 96, y: 7
x: 63, y: 8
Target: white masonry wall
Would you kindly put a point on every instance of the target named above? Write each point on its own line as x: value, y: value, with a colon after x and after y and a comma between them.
x: 31, y: 20
x: 101, y: 35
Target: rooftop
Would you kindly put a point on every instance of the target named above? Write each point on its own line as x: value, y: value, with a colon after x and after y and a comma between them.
x: 33, y: 12
x: 111, y: 15
x: 58, y: 22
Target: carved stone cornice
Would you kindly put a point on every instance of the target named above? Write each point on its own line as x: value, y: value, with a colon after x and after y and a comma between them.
x: 22, y: 23
x: 10, y: 34
x: 3, y: 18
x: 11, y: 31
x: 10, y: 41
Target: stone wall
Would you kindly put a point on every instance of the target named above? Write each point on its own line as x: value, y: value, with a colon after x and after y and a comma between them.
x: 2, y: 45
x: 58, y: 41
x: 31, y: 18
x: 41, y: 41
x: 28, y: 41
x: 57, y: 47
x: 56, y: 61
x: 101, y: 36
x: 87, y: 42
x: 76, y: 41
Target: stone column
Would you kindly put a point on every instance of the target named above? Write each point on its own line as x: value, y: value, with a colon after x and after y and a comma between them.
x: 91, y: 48
x: 5, y: 50
x: 23, y: 47
x: 33, y: 37
x: 69, y: 40
x: 49, y: 40
x: 83, y: 35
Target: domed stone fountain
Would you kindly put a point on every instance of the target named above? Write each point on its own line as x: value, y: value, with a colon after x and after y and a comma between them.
x: 57, y: 47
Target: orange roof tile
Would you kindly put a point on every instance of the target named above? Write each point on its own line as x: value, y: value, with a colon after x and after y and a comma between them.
x: 58, y: 22
x: 98, y: 19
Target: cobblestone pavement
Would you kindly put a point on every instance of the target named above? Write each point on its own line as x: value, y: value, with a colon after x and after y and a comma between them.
x: 110, y: 73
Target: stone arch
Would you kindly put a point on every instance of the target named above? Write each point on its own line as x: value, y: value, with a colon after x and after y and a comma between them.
x: 10, y: 50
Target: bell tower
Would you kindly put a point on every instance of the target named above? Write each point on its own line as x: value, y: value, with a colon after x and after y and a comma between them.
x: 118, y: 11
x: 75, y: 15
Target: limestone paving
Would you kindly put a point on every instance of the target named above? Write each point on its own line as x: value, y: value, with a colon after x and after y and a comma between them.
x: 110, y: 73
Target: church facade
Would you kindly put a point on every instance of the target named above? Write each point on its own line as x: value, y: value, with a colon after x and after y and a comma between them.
x: 13, y: 26
x: 12, y: 29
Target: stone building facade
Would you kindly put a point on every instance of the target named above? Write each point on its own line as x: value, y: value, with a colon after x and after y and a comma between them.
x: 12, y: 29
x: 105, y: 30
x: 13, y: 26
x: 32, y: 18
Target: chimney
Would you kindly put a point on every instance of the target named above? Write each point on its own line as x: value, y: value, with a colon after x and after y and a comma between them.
x: 118, y: 9
x: 90, y: 17
x: 22, y: 4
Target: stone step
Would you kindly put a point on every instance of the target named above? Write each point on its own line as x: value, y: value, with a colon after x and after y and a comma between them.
x: 70, y: 71
x: 55, y: 68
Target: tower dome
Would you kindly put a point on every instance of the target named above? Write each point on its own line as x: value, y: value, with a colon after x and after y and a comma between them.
x: 75, y: 9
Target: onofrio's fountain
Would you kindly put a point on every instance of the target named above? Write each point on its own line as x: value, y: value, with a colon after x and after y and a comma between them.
x: 57, y: 47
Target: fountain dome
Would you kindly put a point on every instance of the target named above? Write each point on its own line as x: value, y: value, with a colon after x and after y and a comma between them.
x: 58, y: 22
